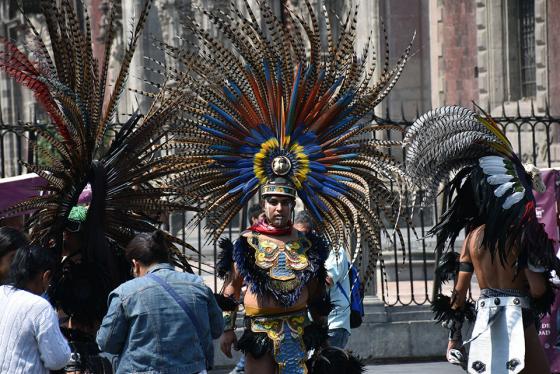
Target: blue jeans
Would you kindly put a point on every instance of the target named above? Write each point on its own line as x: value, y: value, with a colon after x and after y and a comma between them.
x: 241, y: 363
x: 338, y: 338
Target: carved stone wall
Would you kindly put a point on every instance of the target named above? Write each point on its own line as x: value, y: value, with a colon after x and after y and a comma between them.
x: 498, y: 59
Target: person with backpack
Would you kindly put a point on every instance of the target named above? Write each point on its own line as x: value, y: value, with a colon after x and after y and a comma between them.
x: 338, y: 283
x: 346, y: 301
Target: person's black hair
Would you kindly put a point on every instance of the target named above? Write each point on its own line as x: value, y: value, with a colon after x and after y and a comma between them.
x: 254, y: 211
x: 303, y: 218
x: 29, y: 261
x: 10, y: 240
x: 148, y: 248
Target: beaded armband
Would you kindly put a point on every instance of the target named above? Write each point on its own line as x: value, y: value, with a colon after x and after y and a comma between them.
x: 229, y: 320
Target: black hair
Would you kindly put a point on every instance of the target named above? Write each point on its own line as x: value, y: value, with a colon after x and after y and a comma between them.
x: 29, y: 261
x: 254, y: 211
x: 303, y: 218
x: 148, y: 248
x: 10, y: 240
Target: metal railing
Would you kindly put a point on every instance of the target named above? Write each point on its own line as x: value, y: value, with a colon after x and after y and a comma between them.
x: 406, y: 279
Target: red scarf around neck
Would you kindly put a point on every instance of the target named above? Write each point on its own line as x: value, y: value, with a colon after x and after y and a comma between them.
x: 264, y: 227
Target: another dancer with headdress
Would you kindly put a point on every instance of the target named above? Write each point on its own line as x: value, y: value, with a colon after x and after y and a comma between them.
x: 271, y: 109
x: 490, y: 197
x: 124, y: 165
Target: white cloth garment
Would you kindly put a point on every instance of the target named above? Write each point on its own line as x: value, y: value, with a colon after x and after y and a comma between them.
x: 498, y: 338
x: 337, y: 268
x: 30, y: 338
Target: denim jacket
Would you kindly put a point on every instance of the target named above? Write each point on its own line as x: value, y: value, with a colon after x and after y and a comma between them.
x: 151, y: 333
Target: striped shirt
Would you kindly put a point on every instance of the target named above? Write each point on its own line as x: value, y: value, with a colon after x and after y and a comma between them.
x: 30, y: 338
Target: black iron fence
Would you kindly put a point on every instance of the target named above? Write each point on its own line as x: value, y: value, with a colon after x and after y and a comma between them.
x: 407, y: 279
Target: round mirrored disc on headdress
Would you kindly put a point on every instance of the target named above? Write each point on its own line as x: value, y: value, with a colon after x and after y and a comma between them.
x: 281, y: 165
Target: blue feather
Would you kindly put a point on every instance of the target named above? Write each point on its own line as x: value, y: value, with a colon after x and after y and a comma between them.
x: 235, y: 189
x: 314, y: 182
x: 314, y: 156
x: 245, y: 198
x: 251, y: 184
x: 293, y: 104
x: 307, y: 138
x: 212, y: 131
x: 330, y: 192
x: 240, y: 179
x: 225, y: 158
x: 313, y: 195
x: 266, y: 132
x: 317, y: 166
x: 348, y: 156
x: 313, y: 148
x: 258, y: 136
x: 222, y: 148
x: 340, y: 167
x: 338, y: 187
x: 222, y: 113
x: 235, y: 87
x: 310, y: 205
x: 266, y: 70
x: 335, y: 84
x: 297, y: 133
x: 230, y: 96
x: 345, y: 147
x: 215, y: 121
x: 244, y: 162
x: 251, y: 140
x: 341, y: 178
x: 248, y: 149
x: 345, y: 99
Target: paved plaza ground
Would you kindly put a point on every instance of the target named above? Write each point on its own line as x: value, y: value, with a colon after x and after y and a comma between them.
x: 416, y: 368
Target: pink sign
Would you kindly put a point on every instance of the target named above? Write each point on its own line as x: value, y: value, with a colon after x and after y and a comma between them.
x: 17, y: 189
x: 547, y: 213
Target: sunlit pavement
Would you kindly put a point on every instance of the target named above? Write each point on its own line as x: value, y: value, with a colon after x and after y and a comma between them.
x: 416, y: 368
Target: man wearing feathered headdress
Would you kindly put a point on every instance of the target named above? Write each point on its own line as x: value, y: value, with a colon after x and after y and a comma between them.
x: 285, y: 275
x: 490, y: 197
x: 274, y: 111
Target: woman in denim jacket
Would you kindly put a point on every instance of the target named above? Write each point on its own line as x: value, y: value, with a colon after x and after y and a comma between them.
x: 146, y: 325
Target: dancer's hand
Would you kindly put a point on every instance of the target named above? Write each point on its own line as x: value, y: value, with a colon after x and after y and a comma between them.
x: 227, y: 339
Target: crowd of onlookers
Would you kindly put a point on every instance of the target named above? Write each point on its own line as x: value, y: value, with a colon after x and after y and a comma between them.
x: 142, y: 327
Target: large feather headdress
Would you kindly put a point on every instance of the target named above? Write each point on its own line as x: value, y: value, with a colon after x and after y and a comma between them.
x: 275, y: 101
x: 123, y: 164
x: 489, y: 185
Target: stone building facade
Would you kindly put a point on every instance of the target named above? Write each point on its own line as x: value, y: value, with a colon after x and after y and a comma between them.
x: 494, y: 52
x: 497, y: 53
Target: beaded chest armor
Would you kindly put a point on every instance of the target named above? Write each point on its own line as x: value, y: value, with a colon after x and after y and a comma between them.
x: 282, y: 260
